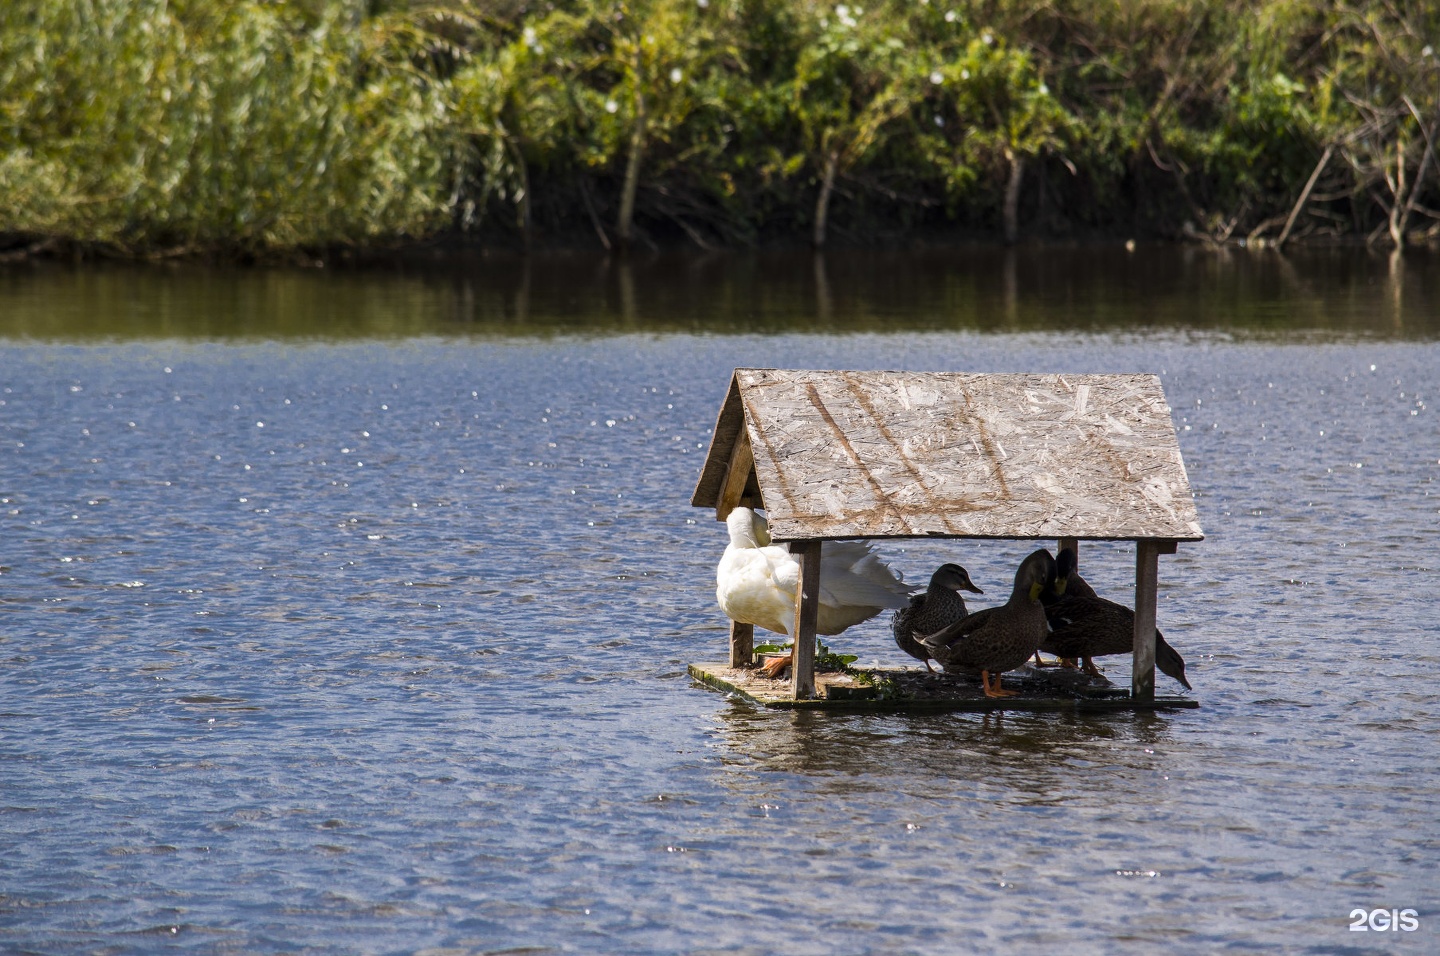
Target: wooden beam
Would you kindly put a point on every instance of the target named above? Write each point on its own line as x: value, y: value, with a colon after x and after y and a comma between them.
x: 1073, y: 544
x: 737, y: 473
x: 1147, y: 560
x: 807, y: 608
x: 1059, y: 691
x: 1142, y: 671
x: 742, y: 644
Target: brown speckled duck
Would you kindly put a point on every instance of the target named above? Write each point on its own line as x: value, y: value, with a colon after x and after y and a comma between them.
x: 1089, y: 627
x: 1001, y: 638
x: 940, y: 606
x: 1068, y: 583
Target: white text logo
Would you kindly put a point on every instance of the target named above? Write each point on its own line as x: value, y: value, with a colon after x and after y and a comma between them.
x: 1363, y: 921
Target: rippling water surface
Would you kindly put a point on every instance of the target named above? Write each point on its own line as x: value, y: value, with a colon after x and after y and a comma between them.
x: 375, y: 640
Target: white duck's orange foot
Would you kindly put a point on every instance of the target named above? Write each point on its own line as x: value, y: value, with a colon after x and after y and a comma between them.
x: 776, y: 666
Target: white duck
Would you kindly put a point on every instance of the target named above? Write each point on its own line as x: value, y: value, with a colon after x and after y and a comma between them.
x: 756, y: 582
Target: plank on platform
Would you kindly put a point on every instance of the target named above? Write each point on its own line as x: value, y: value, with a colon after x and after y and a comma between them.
x: 909, y: 690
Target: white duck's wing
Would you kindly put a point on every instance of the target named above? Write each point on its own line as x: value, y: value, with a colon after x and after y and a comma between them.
x: 858, y: 557
x: 757, y: 586
x: 845, y: 555
x: 853, y: 574
x: 783, y: 568
x: 849, y: 590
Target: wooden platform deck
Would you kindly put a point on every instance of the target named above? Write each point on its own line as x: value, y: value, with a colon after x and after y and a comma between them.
x: 913, y: 690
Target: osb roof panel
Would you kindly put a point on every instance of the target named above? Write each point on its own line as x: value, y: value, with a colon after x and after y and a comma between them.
x: 908, y: 454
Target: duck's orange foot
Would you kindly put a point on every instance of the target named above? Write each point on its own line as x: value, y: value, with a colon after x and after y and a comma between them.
x: 1090, y: 668
x: 1069, y: 663
x: 1041, y: 662
x: 996, y: 690
x: 776, y: 666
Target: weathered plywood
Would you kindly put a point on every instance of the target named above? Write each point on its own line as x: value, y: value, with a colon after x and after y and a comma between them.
x: 728, y: 476
x: 850, y: 454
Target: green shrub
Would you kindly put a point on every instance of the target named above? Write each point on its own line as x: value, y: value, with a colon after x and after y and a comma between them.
x: 255, y: 126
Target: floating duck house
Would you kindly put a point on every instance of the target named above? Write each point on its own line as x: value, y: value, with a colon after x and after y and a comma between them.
x: 1046, y: 457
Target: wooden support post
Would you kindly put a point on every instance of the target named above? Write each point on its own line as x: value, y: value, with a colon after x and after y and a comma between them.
x: 1073, y: 544
x: 807, y: 608
x: 742, y: 644
x: 1147, y: 560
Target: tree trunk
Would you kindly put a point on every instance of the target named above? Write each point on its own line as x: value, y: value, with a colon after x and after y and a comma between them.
x: 822, y: 204
x: 594, y: 216
x: 824, y: 307
x: 1397, y: 234
x: 1305, y: 195
x: 1012, y: 196
x: 525, y: 220
x: 1399, y: 229
x: 632, y: 173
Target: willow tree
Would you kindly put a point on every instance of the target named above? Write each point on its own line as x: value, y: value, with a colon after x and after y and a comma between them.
x: 602, y: 80
x: 518, y: 112
x: 851, y: 82
x: 659, y: 47
x: 993, y: 113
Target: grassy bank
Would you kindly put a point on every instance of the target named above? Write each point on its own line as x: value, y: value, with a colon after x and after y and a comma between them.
x: 250, y: 128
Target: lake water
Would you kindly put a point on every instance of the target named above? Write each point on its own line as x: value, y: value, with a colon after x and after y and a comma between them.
x: 349, y: 612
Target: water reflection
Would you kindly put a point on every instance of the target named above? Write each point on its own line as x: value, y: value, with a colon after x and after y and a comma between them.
x: 1334, y: 291
x: 1035, y: 754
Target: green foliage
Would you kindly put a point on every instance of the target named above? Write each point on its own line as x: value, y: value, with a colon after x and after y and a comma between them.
x: 988, y: 103
x: 256, y: 126
x: 850, y: 81
x: 142, y: 124
x: 886, y: 686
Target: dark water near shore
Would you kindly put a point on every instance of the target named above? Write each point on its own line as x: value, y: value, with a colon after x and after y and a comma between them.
x: 1101, y: 289
x: 349, y: 612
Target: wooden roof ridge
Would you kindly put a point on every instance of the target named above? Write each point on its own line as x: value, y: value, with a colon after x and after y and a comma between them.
x: 886, y: 454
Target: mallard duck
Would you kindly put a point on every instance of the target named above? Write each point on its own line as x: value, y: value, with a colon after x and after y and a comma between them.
x: 1089, y: 627
x: 755, y: 582
x: 1001, y: 638
x: 1068, y: 582
x: 940, y: 606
